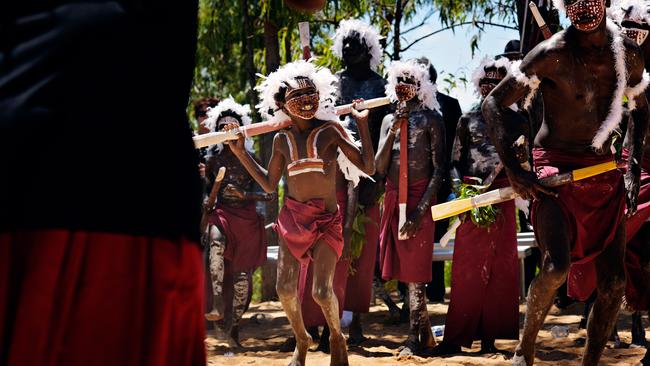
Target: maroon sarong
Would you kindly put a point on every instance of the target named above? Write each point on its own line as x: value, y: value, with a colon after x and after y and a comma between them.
x: 79, y: 298
x: 405, y: 260
x: 484, y: 301
x: 245, y: 235
x: 359, y: 288
x: 312, y: 314
x: 593, y: 209
x: 636, y: 290
x: 301, y: 225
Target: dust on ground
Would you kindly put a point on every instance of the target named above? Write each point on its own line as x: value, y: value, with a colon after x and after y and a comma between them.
x: 265, y: 327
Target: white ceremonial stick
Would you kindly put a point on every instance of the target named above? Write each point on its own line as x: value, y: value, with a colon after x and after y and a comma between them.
x: 541, y: 23
x: 303, y: 29
x: 255, y: 129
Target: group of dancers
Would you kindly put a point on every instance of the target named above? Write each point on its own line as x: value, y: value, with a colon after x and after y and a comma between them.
x: 359, y: 189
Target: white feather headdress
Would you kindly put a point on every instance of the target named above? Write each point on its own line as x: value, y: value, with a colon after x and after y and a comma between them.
x: 286, y: 76
x: 229, y: 104
x: 420, y: 73
x: 368, y: 34
x: 559, y: 4
x: 488, y: 62
x: 639, y: 11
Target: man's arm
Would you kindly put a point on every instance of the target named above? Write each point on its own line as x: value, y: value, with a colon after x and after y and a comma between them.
x: 389, y: 127
x: 459, y: 152
x: 638, y: 132
x: 507, y: 125
x: 269, y: 178
x: 438, y: 160
x: 363, y: 159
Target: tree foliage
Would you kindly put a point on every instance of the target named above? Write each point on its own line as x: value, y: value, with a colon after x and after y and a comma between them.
x: 222, y: 58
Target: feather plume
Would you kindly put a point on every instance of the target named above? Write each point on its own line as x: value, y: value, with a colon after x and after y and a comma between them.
x: 635, y: 10
x: 426, y: 90
x: 229, y: 104
x: 368, y: 34
x: 487, y: 62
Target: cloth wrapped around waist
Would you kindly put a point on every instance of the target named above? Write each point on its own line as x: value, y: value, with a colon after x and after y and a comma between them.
x: 593, y: 209
x: 405, y: 260
x: 245, y: 235
x: 302, y: 224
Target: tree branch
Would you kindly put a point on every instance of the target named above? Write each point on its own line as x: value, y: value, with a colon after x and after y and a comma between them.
x: 424, y: 21
x: 480, y: 24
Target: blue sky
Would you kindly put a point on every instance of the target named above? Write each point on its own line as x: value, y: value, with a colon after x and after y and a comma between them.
x: 450, y: 52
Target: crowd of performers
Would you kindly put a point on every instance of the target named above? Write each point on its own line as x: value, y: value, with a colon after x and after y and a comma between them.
x: 359, y: 189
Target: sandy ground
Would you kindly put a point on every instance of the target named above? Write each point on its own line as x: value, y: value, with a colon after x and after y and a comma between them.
x: 261, y: 335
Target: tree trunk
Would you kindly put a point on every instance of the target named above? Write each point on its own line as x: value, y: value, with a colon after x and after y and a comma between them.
x: 287, y: 46
x: 272, y: 60
x: 397, y: 30
x: 250, y: 66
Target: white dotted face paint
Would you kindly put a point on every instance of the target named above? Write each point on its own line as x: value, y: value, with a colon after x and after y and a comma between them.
x: 636, y: 34
x: 586, y: 15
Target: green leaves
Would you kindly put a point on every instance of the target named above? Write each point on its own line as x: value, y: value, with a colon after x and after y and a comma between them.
x: 482, y: 217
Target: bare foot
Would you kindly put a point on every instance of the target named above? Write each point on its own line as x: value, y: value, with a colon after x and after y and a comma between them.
x: 405, y: 353
x: 221, y: 335
x: 300, y: 353
x: 338, y: 351
x: 214, y: 315
x: 520, y: 358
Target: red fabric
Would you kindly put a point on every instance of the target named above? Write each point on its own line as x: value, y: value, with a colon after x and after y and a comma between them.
x: 593, y: 209
x: 301, y: 225
x: 245, y: 235
x: 359, y: 288
x: 405, y: 260
x: 312, y: 313
x: 83, y: 298
x: 484, y: 301
x: 636, y: 291
x: 637, y: 295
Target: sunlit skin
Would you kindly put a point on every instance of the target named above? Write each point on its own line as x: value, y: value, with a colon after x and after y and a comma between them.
x: 305, y: 187
x: 577, y: 76
x: 426, y: 159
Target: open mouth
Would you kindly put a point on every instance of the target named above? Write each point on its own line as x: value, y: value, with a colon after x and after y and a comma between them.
x: 586, y: 19
x: 307, y: 107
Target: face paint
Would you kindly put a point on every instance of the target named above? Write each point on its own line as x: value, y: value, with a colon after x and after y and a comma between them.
x: 226, y: 121
x: 405, y: 91
x: 493, y: 76
x: 636, y: 34
x: 586, y: 15
x: 302, y: 101
x: 486, y: 88
x: 304, y: 106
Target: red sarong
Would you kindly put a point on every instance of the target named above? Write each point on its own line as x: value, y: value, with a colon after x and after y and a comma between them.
x: 312, y: 314
x: 359, y: 288
x: 405, y: 260
x: 80, y: 298
x: 484, y: 301
x: 245, y: 235
x: 593, y: 209
x: 636, y: 290
x: 301, y: 225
